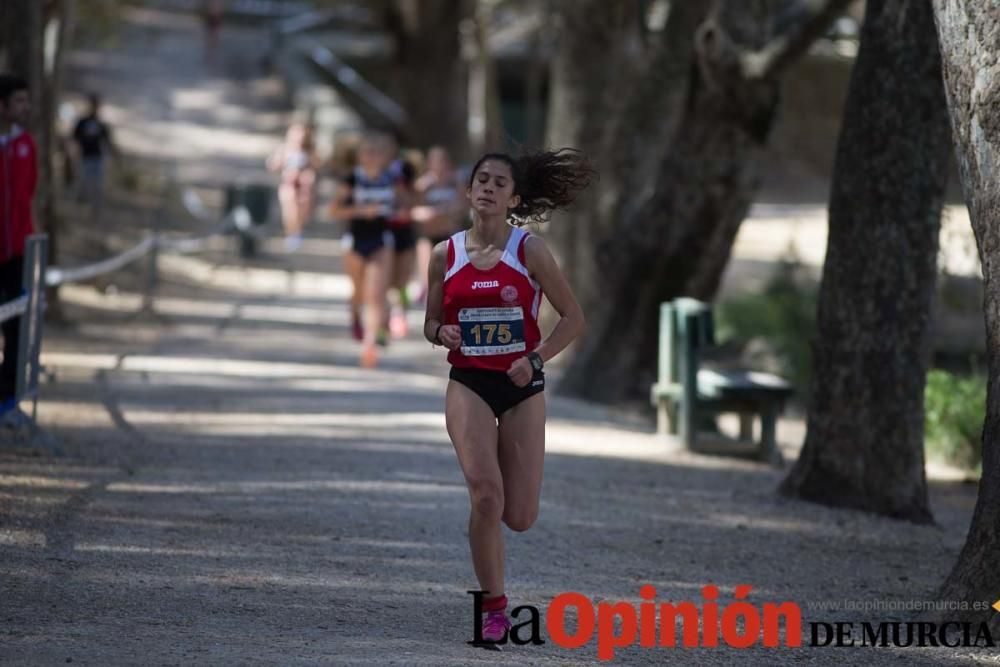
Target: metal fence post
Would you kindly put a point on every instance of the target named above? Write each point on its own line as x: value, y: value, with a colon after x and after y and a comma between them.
x: 30, y: 343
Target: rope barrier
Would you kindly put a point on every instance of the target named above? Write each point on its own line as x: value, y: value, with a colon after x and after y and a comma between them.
x: 196, y: 243
x: 13, y: 308
x: 57, y: 276
x: 30, y: 306
x: 237, y: 219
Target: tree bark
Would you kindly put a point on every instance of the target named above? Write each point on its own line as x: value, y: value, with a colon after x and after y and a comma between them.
x: 430, y: 71
x: 969, y: 34
x: 676, y: 240
x: 21, y: 30
x: 864, y: 445
x: 590, y: 73
x: 62, y: 16
x: 534, y: 93
x: 23, y: 26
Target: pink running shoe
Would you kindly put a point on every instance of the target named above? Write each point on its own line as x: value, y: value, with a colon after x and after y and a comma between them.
x: 495, y: 626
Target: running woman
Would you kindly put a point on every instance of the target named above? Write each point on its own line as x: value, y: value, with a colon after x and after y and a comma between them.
x: 404, y: 240
x: 367, y: 198
x: 441, y: 210
x: 485, y: 286
x: 296, y: 160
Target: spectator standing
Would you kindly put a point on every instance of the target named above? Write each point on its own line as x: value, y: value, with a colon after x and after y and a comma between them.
x: 18, y: 179
x: 93, y: 140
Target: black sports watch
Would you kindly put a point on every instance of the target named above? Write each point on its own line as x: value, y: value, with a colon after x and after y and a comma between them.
x: 536, y: 360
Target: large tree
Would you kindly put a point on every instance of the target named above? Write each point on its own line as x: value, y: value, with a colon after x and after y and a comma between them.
x: 485, y: 125
x: 864, y: 445
x: 679, y: 148
x: 21, y: 39
x: 616, y: 94
x: 969, y: 34
x: 429, y: 70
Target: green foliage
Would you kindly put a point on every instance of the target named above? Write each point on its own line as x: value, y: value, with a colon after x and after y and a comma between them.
x: 783, y: 316
x: 954, y: 411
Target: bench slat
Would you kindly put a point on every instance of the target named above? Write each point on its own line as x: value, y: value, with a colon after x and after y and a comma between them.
x: 715, y: 383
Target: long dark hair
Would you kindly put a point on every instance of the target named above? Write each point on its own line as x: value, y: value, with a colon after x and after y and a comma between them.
x: 544, y: 180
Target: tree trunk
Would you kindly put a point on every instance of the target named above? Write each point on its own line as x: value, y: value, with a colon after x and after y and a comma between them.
x: 430, y: 71
x: 707, y: 183
x: 62, y: 19
x: 589, y: 74
x: 22, y: 23
x: 534, y: 88
x: 676, y: 241
x: 864, y: 445
x: 968, y: 31
x: 485, y: 128
x: 21, y: 31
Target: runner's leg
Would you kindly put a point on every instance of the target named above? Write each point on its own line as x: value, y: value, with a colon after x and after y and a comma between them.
x: 354, y: 265
x: 286, y: 198
x: 472, y: 428
x: 402, y: 269
x: 522, y: 455
x: 376, y: 275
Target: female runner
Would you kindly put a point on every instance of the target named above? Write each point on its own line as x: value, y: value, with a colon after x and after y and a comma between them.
x: 484, y: 290
x: 367, y: 198
x: 403, y: 239
x: 442, y: 208
x: 296, y: 160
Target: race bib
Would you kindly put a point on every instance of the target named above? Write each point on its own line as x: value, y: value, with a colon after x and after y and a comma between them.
x: 489, y: 331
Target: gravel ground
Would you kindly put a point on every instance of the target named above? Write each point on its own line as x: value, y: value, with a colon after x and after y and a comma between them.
x: 234, y: 490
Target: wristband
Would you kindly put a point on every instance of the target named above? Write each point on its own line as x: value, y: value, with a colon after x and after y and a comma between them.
x: 437, y: 341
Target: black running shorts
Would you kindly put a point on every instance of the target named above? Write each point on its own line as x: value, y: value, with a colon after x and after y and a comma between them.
x: 403, y: 238
x: 496, y: 389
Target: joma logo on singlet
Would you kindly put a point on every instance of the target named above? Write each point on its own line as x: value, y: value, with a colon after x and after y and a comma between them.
x: 485, y: 284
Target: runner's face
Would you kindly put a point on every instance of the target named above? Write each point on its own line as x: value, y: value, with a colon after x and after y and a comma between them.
x: 437, y: 162
x: 369, y: 156
x: 296, y: 135
x: 492, y: 189
x: 388, y: 151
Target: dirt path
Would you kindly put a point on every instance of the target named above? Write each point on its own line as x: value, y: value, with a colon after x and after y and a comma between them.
x: 237, y: 491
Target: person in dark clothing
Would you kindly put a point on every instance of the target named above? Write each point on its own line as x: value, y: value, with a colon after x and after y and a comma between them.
x: 18, y: 179
x: 93, y: 139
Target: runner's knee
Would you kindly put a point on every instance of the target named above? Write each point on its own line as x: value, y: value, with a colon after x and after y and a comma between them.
x: 520, y: 518
x: 487, y: 498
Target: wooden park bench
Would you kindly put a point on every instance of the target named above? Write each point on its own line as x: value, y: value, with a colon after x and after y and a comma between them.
x: 686, y: 393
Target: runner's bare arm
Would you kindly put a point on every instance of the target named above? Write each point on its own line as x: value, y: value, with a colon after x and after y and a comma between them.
x: 275, y: 159
x: 448, y: 335
x: 544, y: 269
x: 341, y: 210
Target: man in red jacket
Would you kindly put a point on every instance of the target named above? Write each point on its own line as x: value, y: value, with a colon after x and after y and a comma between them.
x: 18, y: 177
